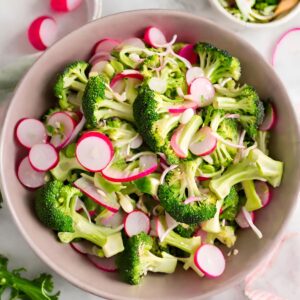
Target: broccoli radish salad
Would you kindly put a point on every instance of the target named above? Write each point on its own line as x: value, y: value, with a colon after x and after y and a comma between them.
x: 154, y: 155
x: 258, y: 11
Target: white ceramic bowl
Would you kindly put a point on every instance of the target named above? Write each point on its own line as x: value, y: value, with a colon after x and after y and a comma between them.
x: 280, y: 21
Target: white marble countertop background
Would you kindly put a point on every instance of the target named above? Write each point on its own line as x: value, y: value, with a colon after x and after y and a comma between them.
x: 15, y: 15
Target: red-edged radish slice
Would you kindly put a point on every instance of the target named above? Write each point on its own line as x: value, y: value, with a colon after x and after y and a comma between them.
x: 105, y: 45
x: 99, y: 56
x: 203, y: 142
x: 176, y: 109
x: 64, y: 124
x: 83, y: 247
x: 154, y: 37
x: 137, y: 142
x: 29, y: 177
x: 187, y: 115
x: 210, y: 260
x: 42, y: 32
x: 136, y: 222
x: 193, y: 73
x: 202, y: 91
x: 188, y: 53
x: 132, y: 42
x: 249, y: 217
x: 270, y: 118
x: 148, y: 164
x: 98, y: 67
x: 103, y: 263
x: 94, y: 151
x: 77, y: 130
x: 30, y: 132
x: 241, y: 220
x: 64, y: 5
x: 110, y: 219
x: 174, y: 142
x: 43, y: 157
x: 125, y: 74
x: 263, y: 191
x: 202, y: 178
x: 202, y: 234
x: 88, y: 188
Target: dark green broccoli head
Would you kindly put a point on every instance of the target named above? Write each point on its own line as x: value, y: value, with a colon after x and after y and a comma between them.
x: 180, y: 184
x: 71, y: 82
x: 231, y: 205
x: 216, y: 63
x: 186, y: 230
x: 96, y: 108
x: 137, y: 259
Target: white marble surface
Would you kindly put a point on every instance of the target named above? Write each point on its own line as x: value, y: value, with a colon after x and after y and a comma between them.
x: 14, y: 18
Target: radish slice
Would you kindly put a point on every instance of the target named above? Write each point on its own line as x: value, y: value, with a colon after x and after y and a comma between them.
x: 210, y: 260
x: 202, y: 91
x: 99, y: 56
x: 132, y: 42
x: 28, y: 176
x: 193, y: 73
x: 110, y: 219
x: 103, y: 263
x: 64, y: 125
x: 43, y: 157
x: 204, y: 142
x: 65, y: 5
x: 249, y: 218
x: 77, y: 130
x: 136, y: 222
x: 188, y: 53
x: 202, y: 234
x: 87, y: 187
x: 241, y: 220
x: 174, y: 142
x: 125, y: 74
x: 98, y: 67
x: 158, y: 85
x: 154, y: 37
x: 148, y: 164
x: 30, y: 132
x: 270, y: 118
x: 94, y: 151
x: 83, y: 247
x: 137, y: 142
x: 202, y: 178
x: 42, y: 32
x: 105, y: 45
x: 263, y: 191
x: 187, y: 115
x: 182, y: 107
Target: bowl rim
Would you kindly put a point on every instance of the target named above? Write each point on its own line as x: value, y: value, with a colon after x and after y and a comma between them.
x: 59, y: 269
x: 291, y: 14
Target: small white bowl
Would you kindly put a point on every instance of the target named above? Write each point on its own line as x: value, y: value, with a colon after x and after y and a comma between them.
x: 280, y: 21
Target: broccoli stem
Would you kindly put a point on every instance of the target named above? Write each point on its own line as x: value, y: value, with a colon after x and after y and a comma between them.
x: 253, y: 200
x: 154, y: 263
x: 166, y: 124
x: 78, y: 86
x: 189, y: 171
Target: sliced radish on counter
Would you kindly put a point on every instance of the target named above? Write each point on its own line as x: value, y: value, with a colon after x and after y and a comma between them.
x: 154, y: 37
x: 30, y: 132
x: 270, y: 118
x: 105, y: 45
x: 180, y: 108
x: 42, y: 32
x: 241, y: 220
x: 203, y: 142
x: 63, y: 126
x: 263, y: 191
x: 28, y: 176
x: 43, y: 157
x: 188, y: 53
x: 94, y: 151
x: 65, y: 5
x: 193, y: 73
x: 202, y: 91
x: 210, y: 260
x: 147, y: 165
x: 88, y: 188
x: 136, y: 222
x: 103, y: 263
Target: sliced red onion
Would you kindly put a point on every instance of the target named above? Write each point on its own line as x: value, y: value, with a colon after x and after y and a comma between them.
x: 230, y: 144
x: 165, y: 172
x: 251, y: 224
x: 191, y: 199
x: 77, y: 130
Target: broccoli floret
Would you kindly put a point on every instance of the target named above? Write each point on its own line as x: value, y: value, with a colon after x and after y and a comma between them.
x: 256, y: 165
x: 137, y: 259
x: 262, y: 139
x: 217, y: 63
x: 180, y: 184
x: 226, y: 236
x: 253, y: 201
x: 96, y: 108
x: 148, y: 184
x: 55, y: 206
x: 231, y: 205
x: 70, y: 85
x: 186, y: 230
x: 154, y: 122
x: 65, y: 166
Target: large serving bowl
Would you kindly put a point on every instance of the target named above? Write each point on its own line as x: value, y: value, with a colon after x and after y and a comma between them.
x: 34, y: 95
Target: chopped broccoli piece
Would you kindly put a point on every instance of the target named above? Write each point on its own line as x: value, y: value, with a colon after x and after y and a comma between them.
x: 231, y: 205
x: 213, y: 224
x: 262, y: 139
x: 226, y: 236
x: 70, y: 82
x: 180, y: 184
x: 137, y: 259
x: 40, y: 288
x: 148, y: 184
x: 216, y: 63
x: 96, y: 108
x: 186, y: 230
x: 253, y: 201
x: 256, y: 165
